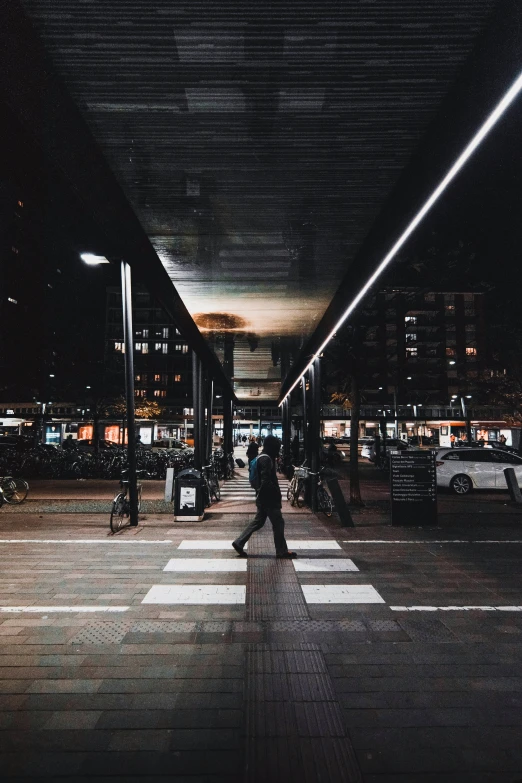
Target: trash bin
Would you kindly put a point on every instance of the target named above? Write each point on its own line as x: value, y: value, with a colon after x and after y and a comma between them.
x: 188, y: 496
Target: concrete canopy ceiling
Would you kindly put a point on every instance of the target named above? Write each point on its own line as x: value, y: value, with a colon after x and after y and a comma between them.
x: 258, y: 144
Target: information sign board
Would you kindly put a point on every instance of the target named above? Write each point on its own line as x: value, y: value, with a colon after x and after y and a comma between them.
x: 413, y: 477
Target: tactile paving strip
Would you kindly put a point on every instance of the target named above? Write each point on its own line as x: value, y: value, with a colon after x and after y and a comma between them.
x: 102, y: 633
x: 293, y: 725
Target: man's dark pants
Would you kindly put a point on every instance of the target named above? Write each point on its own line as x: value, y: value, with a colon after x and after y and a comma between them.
x: 278, y: 526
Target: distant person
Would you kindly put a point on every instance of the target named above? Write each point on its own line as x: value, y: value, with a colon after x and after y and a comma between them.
x: 244, y: 438
x: 68, y: 444
x: 481, y: 441
x: 252, y: 451
x: 502, y: 441
x: 452, y: 440
x: 268, y: 502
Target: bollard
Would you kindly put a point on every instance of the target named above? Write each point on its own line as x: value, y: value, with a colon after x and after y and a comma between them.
x: 340, y: 503
x: 169, y: 485
x: 512, y: 485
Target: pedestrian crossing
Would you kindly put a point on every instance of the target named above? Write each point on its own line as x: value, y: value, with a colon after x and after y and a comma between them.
x: 178, y: 593
x: 238, y: 490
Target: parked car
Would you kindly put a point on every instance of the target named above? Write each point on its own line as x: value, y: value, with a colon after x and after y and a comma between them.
x: 171, y: 444
x: 391, y: 445
x: 464, y: 469
x: 420, y: 440
x: 366, y: 448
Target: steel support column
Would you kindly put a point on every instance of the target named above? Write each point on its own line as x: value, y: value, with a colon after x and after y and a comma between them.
x: 305, y: 419
x: 228, y: 435
x: 196, y: 405
x: 128, y: 336
x: 315, y: 426
x: 287, y: 435
x: 210, y: 427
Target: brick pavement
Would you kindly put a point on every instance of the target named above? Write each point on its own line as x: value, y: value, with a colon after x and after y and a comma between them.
x: 275, y: 688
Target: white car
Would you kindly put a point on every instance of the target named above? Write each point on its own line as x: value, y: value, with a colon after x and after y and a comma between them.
x: 465, y: 469
x: 367, y: 448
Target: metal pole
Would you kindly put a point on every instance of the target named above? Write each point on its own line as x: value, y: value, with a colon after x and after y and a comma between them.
x: 228, y: 438
x: 315, y: 424
x: 396, y: 414
x: 128, y: 336
x: 209, y: 421
x: 305, y: 418
x: 467, y: 418
x: 201, y: 415
x: 196, y: 369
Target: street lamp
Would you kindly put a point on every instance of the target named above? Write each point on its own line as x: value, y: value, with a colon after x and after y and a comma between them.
x: 126, y: 295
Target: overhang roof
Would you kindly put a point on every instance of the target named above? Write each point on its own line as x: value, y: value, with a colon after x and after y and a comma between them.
x: 258, y: 145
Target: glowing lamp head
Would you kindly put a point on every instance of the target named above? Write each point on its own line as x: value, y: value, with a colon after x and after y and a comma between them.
x: 93, y: 260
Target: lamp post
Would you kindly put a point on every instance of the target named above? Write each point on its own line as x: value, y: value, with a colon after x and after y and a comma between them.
x: 128, y: 338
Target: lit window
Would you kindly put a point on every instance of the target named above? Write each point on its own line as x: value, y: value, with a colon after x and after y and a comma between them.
x: 411, y: 337
x: 20, y: 203
x: 165, y: 331
x: 145, y: 333
x: 177, y: 378
x: 160, y: 393
x: 450, y: 309
x: 450, y: 351
x: 164, y: 348
x: 177, y: 347
x: 185, y: 349
x: 157, y: 377
x: 410, y: 319
x: 137, y: 347
x: 137, y: 378
x: 411, y: 351
x: 140, y: 392
x: 157, y: 346
x: 471, y: 351
x: 177, y: 331
x: 119, y: 347
x: 144, y: 347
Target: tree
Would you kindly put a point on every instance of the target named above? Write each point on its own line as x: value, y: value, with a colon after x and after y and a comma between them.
x: 144, y: 409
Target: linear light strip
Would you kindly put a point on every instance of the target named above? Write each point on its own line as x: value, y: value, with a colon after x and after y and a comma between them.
x: 456, y: 608
x: 68, y: 609
x: 493, y: 118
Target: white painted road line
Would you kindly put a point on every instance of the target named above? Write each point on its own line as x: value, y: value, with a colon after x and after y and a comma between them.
x: 107, y: 540
x: 330, y: 565
x: 46, y: 609
x: 341, y: 594
x: 443, y: 541
x: 456, y: 608
x: 311, y: 543
x: 206, y: 565
x: 207, y: 544
x: 196, y: 594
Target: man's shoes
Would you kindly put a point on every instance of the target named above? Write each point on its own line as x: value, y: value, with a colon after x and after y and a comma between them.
x: 241, y: 552
x: 287, y: 555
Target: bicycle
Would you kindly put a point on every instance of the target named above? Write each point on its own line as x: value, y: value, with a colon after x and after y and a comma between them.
x: 14, y: 490
x: 121, y: 506
x: 211, y: 487
x: 324, y: 501
x: 296, y: 488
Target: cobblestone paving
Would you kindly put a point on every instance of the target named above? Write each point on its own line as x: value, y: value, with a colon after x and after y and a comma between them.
x: 96, y: 685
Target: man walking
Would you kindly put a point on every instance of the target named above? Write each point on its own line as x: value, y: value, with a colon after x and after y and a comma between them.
x: 268, y: 502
